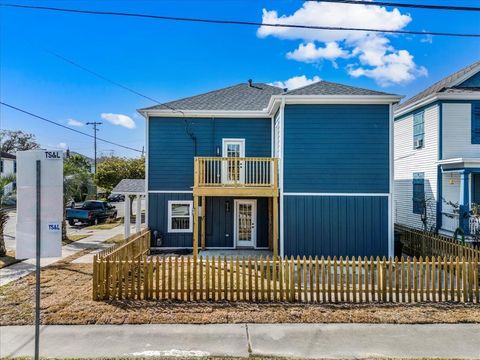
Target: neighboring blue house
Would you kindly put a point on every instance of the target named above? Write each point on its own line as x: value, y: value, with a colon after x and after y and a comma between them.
x: 301, y: 172
x: 437, y: 155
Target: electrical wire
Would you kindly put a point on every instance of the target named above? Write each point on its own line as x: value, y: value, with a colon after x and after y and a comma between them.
x: 71, y: 62
x: 239, y: 22
x: 403, y: 5
x: 66, y: 127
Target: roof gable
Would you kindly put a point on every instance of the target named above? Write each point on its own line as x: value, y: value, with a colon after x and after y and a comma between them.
x: 447, y: 84
x: 471, y: 82
x: 240, y: 97
x: 330, y: 88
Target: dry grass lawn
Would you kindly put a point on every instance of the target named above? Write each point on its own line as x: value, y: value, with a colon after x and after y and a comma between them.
x: 66, y: 299
x: 8, y: 259
x: 72, y: 238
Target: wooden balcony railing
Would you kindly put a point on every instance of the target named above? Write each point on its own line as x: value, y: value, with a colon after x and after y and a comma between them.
x: 236, y: 172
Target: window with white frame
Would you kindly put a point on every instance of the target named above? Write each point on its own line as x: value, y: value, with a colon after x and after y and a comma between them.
x: 180, y: 216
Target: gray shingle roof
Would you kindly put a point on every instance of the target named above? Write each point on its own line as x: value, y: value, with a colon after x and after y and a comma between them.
x: 5, y: 155
x: 243, y: 97
x: 330, y: 88
x: 130, y: 186
x: 444, y: 85
x: 237, y: 97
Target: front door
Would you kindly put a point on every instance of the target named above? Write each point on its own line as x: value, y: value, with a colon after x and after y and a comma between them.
x: 233, y: 169
x: 245, y: 219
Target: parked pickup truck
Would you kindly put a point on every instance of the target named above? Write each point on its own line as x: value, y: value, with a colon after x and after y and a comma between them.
x: 92, y: 212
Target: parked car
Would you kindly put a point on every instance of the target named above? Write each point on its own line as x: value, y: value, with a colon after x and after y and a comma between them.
x: 92, y: 212
x: 116, y: 198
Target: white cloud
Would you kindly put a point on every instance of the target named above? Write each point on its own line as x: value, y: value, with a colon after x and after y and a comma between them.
x: 396, y: 68
x: 310, y: 52
x: 119, y: 119
x: 296, y: 82
x: 370, y: 54
x: 62, y: 145
x: 73, y: 122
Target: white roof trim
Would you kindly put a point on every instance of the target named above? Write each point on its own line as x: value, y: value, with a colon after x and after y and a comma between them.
x: 454, y: 161
x: 465, y: 76
x: 273, y: 104
x: 435, y: 97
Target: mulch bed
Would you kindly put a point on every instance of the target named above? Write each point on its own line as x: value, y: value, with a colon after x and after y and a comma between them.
x: 67, y: 292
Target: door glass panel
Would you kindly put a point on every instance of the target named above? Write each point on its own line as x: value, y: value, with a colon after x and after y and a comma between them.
x: 233, y: 173
x: 244, y: 222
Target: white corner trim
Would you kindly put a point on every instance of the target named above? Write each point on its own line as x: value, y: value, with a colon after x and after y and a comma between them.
x: 391, y: 226
x: 146, y: 168
x: 281, y: 239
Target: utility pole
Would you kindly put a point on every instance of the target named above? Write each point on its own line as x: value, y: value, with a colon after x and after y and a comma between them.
x: 95, y: 124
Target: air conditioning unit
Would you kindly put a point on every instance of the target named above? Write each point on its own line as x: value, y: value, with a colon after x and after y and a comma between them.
x: 418, y: 143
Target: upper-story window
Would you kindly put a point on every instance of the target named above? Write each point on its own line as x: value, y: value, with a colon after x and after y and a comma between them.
x: 1, y: 166
x: 14, y: 166
x: 418, y: 130
x: 476, y: 123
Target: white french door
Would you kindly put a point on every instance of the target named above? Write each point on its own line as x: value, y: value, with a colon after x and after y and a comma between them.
x: 233, y: 170
x: 245, y: 223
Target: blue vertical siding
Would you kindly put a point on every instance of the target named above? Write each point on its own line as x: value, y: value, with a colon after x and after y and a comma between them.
x: 336, y: 148
x: 219, y: 222
x: 171, y: 149
x: 158, y: 219
x: 336, y: 225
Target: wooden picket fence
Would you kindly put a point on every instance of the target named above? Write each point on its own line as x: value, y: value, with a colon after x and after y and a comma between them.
x: 135, y: 246
x: 419, y: 243
x: 287, y: 280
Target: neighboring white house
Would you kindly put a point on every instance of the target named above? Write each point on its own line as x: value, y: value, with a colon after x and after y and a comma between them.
x: 8, y: 166
x: 437, y: 155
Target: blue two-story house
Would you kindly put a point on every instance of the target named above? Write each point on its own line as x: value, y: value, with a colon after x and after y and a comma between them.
x: 301, y: 172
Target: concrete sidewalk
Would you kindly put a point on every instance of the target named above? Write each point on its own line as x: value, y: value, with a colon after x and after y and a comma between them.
x: 332, y: 341
x: 94, y: 241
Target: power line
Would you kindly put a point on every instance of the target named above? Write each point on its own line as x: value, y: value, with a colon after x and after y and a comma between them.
x: 239, y: 22
x: 403, y: 5
x: 66, y: 127
x: 133, y: 91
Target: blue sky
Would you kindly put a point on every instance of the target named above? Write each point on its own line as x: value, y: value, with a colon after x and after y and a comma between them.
x: 168, y: 60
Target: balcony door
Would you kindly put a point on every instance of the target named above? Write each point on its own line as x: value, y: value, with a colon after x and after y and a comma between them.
x: 233, y: 170
x: 245, y: 218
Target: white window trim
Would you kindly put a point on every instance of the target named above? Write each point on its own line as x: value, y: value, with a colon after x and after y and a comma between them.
x: 226, y: 140
x: 182, y: 202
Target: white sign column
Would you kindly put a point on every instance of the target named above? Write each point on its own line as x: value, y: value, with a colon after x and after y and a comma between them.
x: 51, y: 209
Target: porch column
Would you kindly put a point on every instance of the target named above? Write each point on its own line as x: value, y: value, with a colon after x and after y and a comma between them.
x: 195, y: 227
x: 463, y: 202
x: 204, y: 213
x: 126, y: 217
x: 138, y: 214
x: 275, y: 225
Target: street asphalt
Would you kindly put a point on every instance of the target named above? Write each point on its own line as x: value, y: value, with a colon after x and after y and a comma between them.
x: 311, y: 341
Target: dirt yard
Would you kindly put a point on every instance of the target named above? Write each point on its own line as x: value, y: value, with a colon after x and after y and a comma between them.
x: 66, y: 299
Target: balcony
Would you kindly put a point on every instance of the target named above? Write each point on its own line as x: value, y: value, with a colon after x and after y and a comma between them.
x: 235, y: 176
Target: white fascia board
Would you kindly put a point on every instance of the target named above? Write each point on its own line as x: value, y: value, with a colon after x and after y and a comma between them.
x: 454, y: 161
x: 465, y: 76
x: 206, y: 114
x: 332, y: 99
x: 434, y: 97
